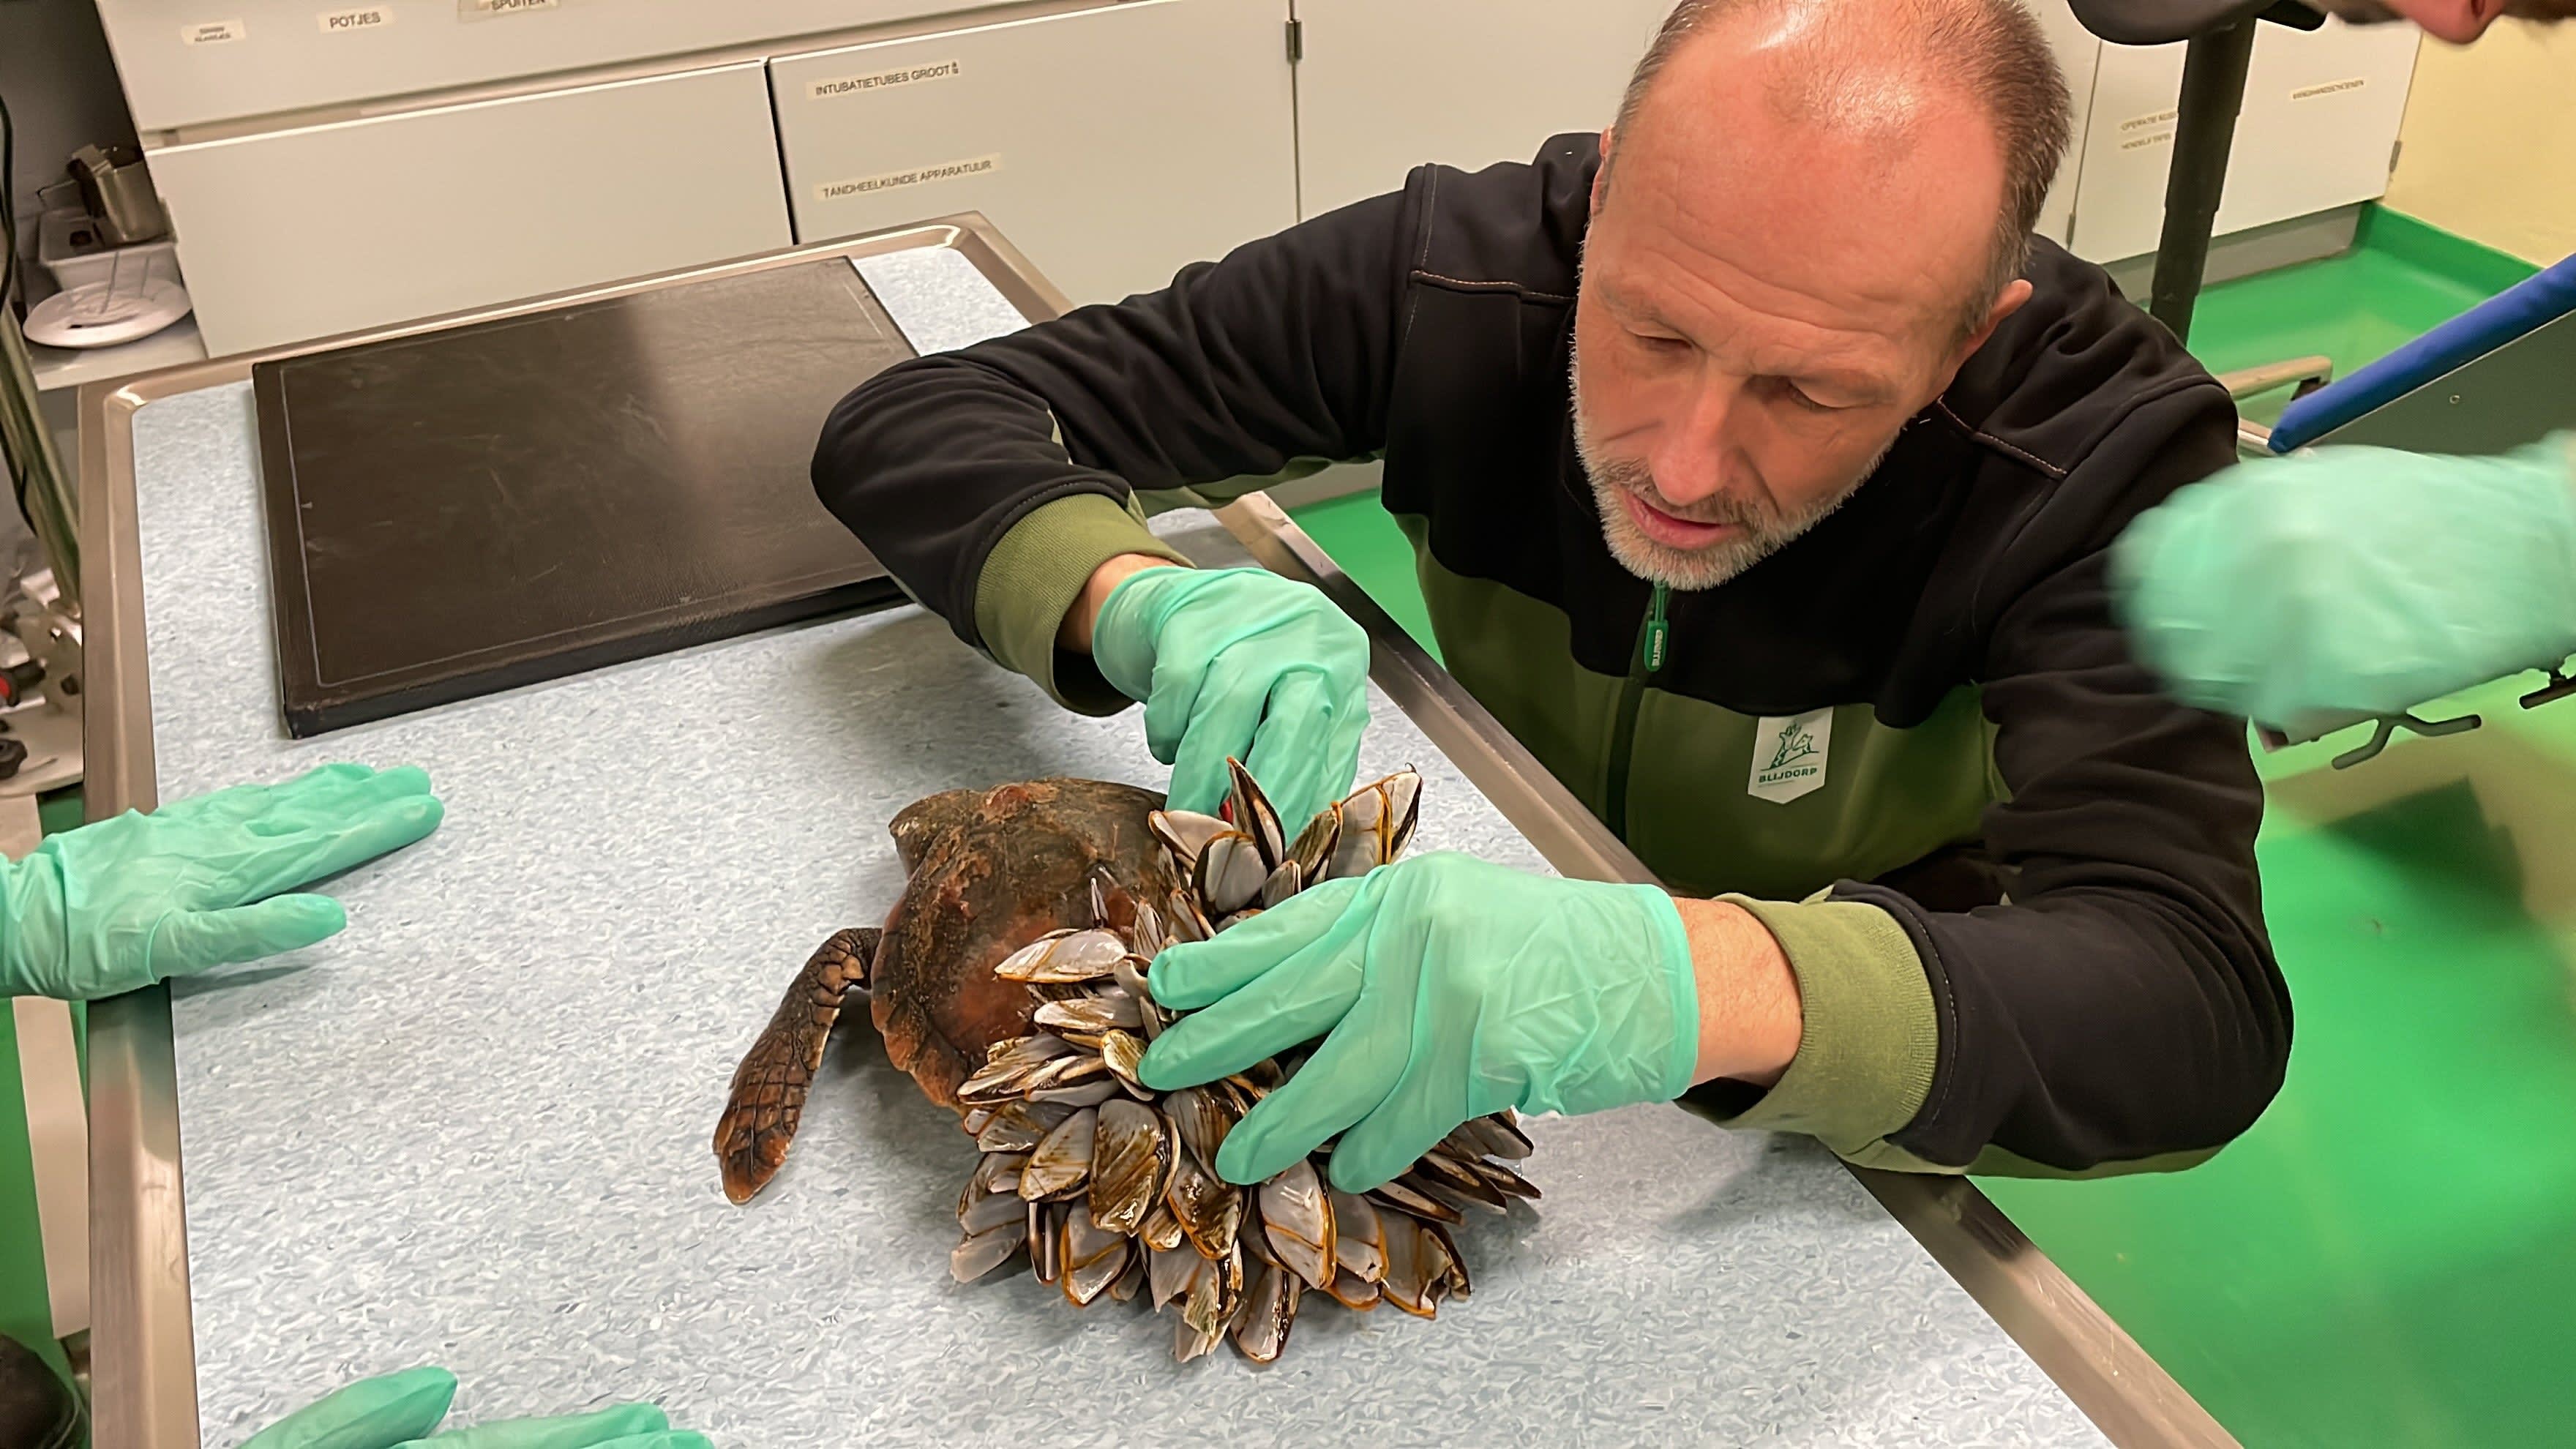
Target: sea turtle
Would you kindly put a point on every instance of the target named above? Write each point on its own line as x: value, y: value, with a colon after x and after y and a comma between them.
x: 989, y: 871
x: 1009, y: 981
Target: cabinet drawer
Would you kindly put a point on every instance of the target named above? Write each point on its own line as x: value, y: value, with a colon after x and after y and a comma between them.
x: 187, y: 62
x: 1387, y: 85
x: 299, y: 234
x: 1114, y: 145
x: 2322, y: 111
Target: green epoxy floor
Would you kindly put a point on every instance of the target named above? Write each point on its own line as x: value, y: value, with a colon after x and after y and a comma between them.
x: 26, y: 1313
x: 2403, y: 280
x: 1366, y: 543
x: 2389, y: 1257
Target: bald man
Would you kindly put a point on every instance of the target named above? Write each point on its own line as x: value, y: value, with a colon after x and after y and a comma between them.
x: 1759, y: 466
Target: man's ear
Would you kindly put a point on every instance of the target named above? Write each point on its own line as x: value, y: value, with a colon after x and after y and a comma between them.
x: 1601, y: 178
x: 2007, y: 302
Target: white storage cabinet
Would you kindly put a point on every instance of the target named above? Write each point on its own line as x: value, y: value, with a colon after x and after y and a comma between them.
x: 2318, y: 132
x: 189, y: 62
x: 1386, y: 85
x: 2079, y: 54
x: 304, y: 233
x: 1114, y: 142
x: 1113, y: 145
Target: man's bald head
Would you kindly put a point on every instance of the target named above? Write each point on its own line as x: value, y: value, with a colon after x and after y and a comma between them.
x: 1872, y: 75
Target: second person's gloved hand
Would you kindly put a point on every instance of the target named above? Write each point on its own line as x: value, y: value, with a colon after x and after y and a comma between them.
x: 1245, y: 664
x: 2354, y: 580
x: 118, y: 905
x: 403, y: 1410
x: 1445, y: 988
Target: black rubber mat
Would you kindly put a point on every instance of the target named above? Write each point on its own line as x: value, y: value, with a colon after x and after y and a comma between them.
x: 515, y: 501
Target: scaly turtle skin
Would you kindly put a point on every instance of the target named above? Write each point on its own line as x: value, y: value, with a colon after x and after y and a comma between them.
x: 990, y: 871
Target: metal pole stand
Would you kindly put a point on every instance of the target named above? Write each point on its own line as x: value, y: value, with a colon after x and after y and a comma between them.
x: 2213, y: 92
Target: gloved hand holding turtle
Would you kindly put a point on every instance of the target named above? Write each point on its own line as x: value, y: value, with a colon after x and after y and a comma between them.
x: 1240, y: 664
x: 1445, y: 989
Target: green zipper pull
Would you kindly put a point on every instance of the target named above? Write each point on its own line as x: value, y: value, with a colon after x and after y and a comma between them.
x: 1659, y: 631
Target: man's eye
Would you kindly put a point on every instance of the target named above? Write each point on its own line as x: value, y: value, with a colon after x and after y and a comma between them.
x: 1799, y: 399
x: 1654, y: 342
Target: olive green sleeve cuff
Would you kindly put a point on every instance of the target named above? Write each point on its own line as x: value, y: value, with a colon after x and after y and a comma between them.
x: 1032, y: 577
x: 1871, y: 1036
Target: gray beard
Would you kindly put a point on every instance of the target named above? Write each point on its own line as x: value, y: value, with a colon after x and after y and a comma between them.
x: 1764, y: 530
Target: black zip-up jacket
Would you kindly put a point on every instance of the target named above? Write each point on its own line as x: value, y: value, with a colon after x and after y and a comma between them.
x: 1871, y: 739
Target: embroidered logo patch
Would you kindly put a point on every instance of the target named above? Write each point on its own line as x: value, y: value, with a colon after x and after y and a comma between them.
x: 1789, y: 755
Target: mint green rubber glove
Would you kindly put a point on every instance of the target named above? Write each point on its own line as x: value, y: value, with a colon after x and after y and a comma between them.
x: 2354, y: 580
x: 126, y: 902
x: 401, y: 1410
x: 1444, y: 988
x: 1239, y: 663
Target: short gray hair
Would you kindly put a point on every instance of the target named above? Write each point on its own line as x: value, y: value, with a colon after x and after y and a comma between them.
x: 1991, y: 50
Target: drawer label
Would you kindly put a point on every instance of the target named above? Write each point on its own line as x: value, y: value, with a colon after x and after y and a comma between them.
x: 2158, y: 129
x: 884, y: 80
x: 364, y: 17
x: 917, y: 176
x: 213, y: 32
x: 477, y: 9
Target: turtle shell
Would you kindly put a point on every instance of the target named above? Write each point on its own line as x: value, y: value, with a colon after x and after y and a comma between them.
x: 991, y: 871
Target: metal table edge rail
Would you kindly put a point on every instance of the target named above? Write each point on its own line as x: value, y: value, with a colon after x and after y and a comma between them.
x: 2126, y: 1393
x: 143, y: 1349
x: 143, y: 1353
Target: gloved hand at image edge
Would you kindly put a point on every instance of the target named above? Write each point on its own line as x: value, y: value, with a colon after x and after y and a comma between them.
x: 402, y: 1411
x: 1245, y: 664
x: 2354, y: 580
x: 1444, y: 989
x: 123, y: 903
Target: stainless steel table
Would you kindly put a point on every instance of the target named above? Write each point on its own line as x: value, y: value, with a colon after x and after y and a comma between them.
x: 474, y: 1129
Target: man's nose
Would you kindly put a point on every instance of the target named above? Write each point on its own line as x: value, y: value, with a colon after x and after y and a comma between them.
x: 1688, y: 461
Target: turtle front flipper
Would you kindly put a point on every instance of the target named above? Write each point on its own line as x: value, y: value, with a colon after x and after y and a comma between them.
x: 768, y: 1096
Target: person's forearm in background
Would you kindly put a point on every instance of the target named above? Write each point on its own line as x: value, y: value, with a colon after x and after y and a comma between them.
x: 2354, y: 580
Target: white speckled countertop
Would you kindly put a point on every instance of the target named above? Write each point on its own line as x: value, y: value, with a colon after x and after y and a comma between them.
x: 474, y: 1130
